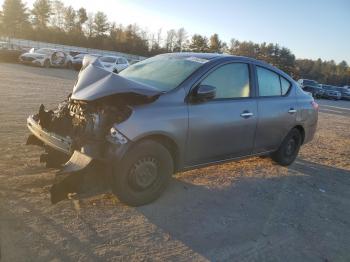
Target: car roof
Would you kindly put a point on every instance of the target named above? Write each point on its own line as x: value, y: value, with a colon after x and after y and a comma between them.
x: 216, y: 56
x: 228, y: 57
x: 212, y: 56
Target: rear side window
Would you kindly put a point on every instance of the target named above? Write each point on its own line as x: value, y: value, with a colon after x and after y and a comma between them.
x: 271, y: 84
x: 230, y: 81
x: 285, y: 85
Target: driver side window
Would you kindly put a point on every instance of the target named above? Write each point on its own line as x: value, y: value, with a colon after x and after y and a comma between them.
x: 230, y: 81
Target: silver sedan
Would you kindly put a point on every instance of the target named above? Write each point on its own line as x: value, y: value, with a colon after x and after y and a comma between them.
x: 174, y: 112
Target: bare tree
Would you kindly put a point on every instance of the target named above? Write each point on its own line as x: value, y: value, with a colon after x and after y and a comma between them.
x: 57, y: 14
x: 69, y: 19
x: 82, y: 17
x: 159, y: 37
x: 181, y: 37
x: 89, y: 25
x: 170, y: 40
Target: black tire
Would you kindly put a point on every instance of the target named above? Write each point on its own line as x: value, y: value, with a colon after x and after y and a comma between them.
x: 69, y: 65
x: 289, y: 148
x: 143, y: 173
x: 115, y: 71
x: 47, y: 63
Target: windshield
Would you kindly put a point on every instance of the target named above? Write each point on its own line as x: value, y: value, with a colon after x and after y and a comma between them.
x: 163, y: 72
x: 108, y: 59
x: 44, y: 51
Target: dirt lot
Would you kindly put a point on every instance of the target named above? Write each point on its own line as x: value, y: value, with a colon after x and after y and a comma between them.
x: 251, y: 210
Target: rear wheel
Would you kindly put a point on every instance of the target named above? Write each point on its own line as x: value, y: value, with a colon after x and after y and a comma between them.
x: 289, y: 148
x: 143, y: 173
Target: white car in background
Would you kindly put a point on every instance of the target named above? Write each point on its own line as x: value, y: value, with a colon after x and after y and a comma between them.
x: 47, y: 57
x: 114, y: 63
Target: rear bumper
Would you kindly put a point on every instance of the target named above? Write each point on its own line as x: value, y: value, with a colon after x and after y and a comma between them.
x: 62, y: 144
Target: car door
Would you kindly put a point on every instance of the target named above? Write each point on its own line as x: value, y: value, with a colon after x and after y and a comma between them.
x: 223, y: 127
x: 276, y: 107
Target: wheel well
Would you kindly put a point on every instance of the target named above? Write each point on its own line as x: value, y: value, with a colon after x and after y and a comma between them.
x: 169, y: 144
x: 302, y: 132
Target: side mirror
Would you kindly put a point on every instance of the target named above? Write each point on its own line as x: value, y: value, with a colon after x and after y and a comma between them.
x: 204, y: 92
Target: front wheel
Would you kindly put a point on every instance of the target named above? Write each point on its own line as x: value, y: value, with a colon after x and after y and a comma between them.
x: 289, y: 148
x: 143, y: 173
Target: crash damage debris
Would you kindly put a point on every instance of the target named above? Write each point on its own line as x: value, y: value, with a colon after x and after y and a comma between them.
x: 33, y: 140
x: 84, y: 183
x: 53, y: 159
x: 86, y: 118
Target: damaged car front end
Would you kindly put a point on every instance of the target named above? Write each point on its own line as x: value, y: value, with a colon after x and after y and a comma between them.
x: 83, y: 128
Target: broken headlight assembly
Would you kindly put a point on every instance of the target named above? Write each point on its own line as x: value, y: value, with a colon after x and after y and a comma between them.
x: 116, y: 137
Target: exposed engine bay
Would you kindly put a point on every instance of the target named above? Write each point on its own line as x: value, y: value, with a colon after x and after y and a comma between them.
x: 85, y: 123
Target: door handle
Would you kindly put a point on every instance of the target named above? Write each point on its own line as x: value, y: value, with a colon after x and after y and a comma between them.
x: 292, y: 111
x: 246, y: 114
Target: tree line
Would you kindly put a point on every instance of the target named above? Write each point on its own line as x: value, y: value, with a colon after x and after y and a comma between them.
x: 52, y: 21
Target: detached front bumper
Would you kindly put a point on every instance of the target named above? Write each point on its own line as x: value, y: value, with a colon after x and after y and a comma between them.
x: 57, y: 142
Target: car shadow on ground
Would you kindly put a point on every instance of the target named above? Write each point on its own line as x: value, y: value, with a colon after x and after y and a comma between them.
x: 294, y: 216
x: 254, y: 218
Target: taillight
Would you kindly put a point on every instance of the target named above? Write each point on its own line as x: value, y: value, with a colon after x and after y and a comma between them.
x: 314, y: 105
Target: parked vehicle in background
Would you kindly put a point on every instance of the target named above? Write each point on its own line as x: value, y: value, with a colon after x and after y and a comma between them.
x: 312, y: 87
x: 47, y: 57
x: 78, y: 60
x: 331, y: 92
x: 114, y: 63
x: 175, y: 112
x: 345, y: 93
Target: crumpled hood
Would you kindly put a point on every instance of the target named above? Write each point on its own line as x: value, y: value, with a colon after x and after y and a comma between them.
x: 94, y: 82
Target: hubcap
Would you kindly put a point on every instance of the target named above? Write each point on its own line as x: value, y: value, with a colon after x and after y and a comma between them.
x: 143, y: 173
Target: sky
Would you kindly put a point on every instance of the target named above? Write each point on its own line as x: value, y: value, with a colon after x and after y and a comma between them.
x: 309, y: 28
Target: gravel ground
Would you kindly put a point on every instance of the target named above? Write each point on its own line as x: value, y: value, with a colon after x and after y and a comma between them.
x: 251, y: 210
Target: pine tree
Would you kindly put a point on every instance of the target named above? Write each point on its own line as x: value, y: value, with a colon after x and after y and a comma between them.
x: 14, y: 18
x: 41, y: 13
x: 215, y: 45
x: 199, y: 43
x: 101, y: 24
